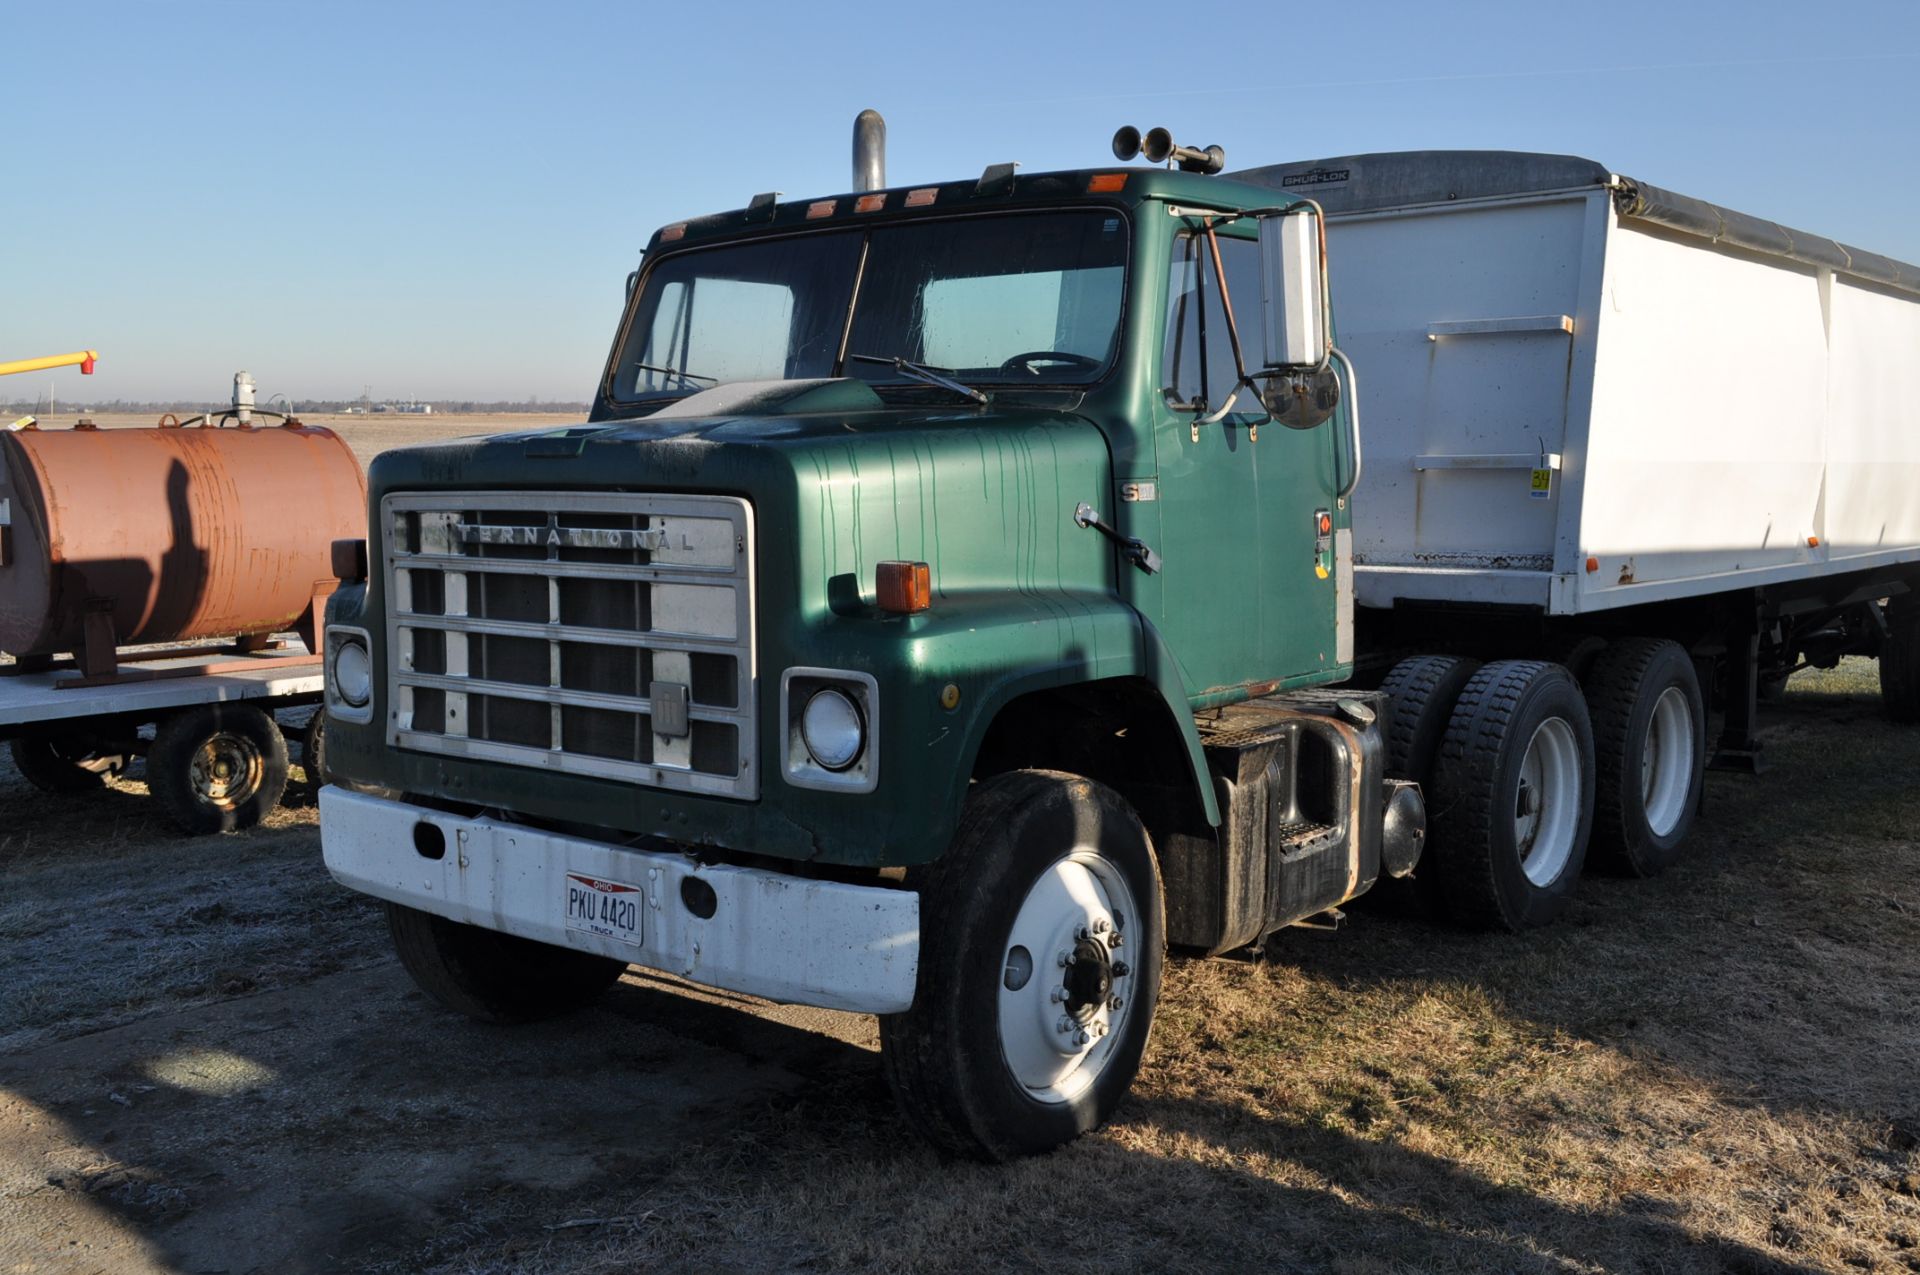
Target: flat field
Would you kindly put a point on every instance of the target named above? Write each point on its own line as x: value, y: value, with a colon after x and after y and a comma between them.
x: 210, y: 1062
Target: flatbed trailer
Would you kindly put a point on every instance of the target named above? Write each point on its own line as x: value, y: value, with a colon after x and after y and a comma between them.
x: 216, y: 755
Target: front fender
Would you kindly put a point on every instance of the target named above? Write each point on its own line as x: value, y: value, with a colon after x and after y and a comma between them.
x: 994, y: 648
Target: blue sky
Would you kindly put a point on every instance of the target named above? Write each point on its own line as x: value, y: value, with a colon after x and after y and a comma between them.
x: 443, y: 200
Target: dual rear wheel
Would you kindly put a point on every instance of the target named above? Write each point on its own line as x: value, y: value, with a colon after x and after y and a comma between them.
x: 1528, y: 773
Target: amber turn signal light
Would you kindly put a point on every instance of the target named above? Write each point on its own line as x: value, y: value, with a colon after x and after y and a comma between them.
x: 904, y: 588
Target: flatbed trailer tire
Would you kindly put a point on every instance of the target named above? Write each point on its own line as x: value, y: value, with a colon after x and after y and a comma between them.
x: 495, y: 977
x: 1650, y: 754
x: 217, y: 767
x: 1042, y: 941
x: 1511, y: 805
x: 60, y: 763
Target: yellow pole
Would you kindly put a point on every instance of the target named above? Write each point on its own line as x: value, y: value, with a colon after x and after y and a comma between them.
x: 83, y: 357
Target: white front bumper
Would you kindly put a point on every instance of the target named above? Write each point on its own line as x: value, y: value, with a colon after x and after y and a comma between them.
x: 786, y: 938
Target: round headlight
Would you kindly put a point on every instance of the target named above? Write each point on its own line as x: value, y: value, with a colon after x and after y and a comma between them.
x: 352, y: 674
x: 831, y: 728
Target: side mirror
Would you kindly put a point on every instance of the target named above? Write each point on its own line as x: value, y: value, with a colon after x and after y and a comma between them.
x: 1293, y: 290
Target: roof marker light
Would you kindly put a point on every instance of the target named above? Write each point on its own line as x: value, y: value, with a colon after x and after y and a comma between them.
x: 870, y: 203
x: 1106, y: 183
x: 821, y: 208
x: 922, y: 197
x: 673, y: 232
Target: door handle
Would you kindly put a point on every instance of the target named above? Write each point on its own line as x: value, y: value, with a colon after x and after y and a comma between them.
x: 1132, y: 549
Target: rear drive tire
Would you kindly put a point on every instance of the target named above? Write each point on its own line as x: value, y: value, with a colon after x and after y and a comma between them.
x: 1650, y: 754
x: 1511, y: 805
x: 494, y: 977
x: 56, y: 763
x: 1042, y: 938
x: 1423, y: 691
x: 217, y: 767
x: 1900, y: 660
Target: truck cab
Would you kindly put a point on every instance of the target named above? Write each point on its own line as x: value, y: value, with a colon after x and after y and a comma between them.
x: 943, y: 610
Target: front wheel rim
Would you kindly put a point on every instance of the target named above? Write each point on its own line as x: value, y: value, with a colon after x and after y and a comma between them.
x: 1666, y: 761
x: 1546, y: 815
x: 1067, y: 983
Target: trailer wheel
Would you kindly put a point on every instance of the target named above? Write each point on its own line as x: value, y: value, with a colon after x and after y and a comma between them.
x: 313, y: 750
x: 1042, y: 937
x: 1900, y: 660
x: 494, y: 977
x: 57, y: 763
x: 1512, y: 797
x: 1650, y: 754
x: 217, y: 767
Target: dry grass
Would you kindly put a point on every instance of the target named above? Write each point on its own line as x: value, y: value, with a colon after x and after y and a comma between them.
x: 1713, y: 1071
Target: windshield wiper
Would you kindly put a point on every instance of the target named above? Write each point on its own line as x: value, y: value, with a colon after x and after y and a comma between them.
x: 686, y: 377
x: 922, y: 373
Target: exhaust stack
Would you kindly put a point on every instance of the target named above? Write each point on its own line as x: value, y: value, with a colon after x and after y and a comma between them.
x: 869, y: 152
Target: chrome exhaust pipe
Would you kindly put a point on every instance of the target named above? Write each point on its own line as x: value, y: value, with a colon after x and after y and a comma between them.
x: 869, y: 151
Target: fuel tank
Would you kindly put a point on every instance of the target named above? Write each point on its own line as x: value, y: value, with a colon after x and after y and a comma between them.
x: 175, y: 533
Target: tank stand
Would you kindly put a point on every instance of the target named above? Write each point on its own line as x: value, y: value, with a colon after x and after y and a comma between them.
x: 99, y: 652
x: 1740, y: 745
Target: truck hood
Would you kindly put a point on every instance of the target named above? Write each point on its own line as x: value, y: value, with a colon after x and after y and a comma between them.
x: 838, y: 480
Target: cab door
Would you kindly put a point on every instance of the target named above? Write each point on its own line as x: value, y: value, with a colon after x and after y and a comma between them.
x: 1249, y: 582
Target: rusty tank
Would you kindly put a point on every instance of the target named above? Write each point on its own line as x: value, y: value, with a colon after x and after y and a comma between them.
x: 168, y: 534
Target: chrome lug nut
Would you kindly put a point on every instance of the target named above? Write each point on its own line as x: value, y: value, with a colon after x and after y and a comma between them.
x: 1121, y: 969
x: 1081, y: 934
x: 1113, y: 940
x: 1063, y: 958
x: 1100, y: 925
x: 1065, y: 1024
x: 1081, y: 1038
x: 1116, y: 1002
x: 1057, y: 995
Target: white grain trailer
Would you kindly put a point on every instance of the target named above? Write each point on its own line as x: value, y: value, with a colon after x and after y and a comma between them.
x: 1603, y: 421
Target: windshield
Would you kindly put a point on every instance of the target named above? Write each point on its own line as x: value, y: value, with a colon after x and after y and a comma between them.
x: 1025, y: 299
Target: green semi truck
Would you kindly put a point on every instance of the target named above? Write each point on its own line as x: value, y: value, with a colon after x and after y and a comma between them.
x: 950, y: 605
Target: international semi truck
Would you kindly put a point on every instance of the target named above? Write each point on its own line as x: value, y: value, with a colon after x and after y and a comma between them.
x: 959, y: 595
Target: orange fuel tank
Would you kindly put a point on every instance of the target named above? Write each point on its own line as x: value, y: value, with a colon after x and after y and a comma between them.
x: 174, y: 533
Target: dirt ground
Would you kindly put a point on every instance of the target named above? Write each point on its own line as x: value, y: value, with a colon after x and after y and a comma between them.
x: 209, y: 1062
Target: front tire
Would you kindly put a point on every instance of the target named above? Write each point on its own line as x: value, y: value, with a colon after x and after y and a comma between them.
x: 1650, y: 754
x: 494, y: 977
x: 1512, y: 798
x: 1042, y: 942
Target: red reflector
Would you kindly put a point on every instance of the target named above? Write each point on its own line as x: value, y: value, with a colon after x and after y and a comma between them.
x: 1326, y: 524
x: 672, y: 233
x: 922, y: 197
x: 821, y: 208
x: 1106, y: 183
x: 869, y: 203
x: 904, y: 588
x: 1593, y: 565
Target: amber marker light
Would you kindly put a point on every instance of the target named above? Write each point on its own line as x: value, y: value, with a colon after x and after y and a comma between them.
x: 922, y: 197
x: 869, y: 203
x: 904, y: 588
x: 672, y: 233
x: 1106, y: 183
x: 821, y: 208
x: 1593, y: 565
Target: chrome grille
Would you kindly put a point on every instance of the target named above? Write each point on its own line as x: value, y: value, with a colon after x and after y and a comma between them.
x: 539, y: 629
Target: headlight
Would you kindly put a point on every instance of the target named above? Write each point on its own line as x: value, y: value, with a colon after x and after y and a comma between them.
x: 353, y: 674
x: 832, y: 730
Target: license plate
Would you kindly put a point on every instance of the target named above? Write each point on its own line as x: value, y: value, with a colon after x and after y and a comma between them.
x: 608, y: 909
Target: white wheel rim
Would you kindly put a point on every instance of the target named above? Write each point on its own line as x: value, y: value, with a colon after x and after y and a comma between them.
x: 1061, y: 1021
x: 1546, y: 808
x: 1666, y: 761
